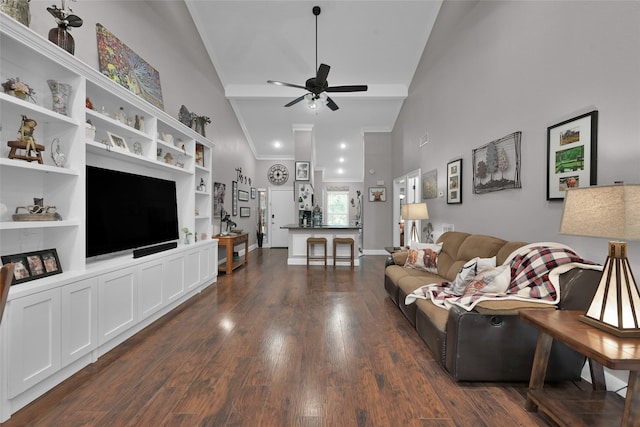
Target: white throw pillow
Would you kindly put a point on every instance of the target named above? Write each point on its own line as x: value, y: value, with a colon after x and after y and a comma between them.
x: 495, y: 280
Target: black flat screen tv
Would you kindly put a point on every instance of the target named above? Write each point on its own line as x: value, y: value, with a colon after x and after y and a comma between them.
x: 128, y: 211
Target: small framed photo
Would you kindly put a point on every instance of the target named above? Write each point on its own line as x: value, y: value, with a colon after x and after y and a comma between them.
x: 454, y: 182
x: 243, y: 196
x: 571, y: 154
x: 199, y: 154
x: 253, y: 192
x: 117, y: 142
x: 33, y: 265
x: 377, y: 194
x: 245, y: 211
x: 303, y: 172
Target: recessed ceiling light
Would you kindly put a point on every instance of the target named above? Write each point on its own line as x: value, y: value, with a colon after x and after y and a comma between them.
x: 341, y: 159
x: 276, y: 144
x: 340, y: 171
x: 343, y: 145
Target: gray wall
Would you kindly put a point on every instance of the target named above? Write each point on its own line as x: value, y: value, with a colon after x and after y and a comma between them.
x: 494, y: 67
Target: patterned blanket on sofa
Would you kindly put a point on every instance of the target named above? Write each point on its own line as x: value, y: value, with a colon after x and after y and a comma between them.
x: 530, y: 273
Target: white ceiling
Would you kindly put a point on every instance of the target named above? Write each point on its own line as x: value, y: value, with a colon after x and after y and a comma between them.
x: 377, y: 43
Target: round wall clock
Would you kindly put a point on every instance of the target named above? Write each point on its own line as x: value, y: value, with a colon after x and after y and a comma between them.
x: 278, y: 174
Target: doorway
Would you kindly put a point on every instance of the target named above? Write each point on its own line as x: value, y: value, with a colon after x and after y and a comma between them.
x: 281, y: 212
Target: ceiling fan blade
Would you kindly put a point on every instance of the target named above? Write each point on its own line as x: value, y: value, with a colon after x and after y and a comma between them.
x: 353, y: 88
x: 273, y: 82
x: 332, y: 105
x: 295, y: 101
x: 321, y: 75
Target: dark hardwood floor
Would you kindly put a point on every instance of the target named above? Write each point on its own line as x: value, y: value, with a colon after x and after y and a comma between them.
x: 278, y: 345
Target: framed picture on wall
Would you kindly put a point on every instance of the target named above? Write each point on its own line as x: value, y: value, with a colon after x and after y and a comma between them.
x: 571, y: 154
x: 430, y: 184
x: 234, y: 198
x: 454, y: 182
x: 303, y: 172
x: 253, y: 192
x: 243, y: 196
x: 245, y: 211
x: 496, y: 165
x: 377, y: 194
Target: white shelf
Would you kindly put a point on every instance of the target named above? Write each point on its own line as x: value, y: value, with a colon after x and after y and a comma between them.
x: 37, y: 167
x: 20, y: 225
x: 35, y: 111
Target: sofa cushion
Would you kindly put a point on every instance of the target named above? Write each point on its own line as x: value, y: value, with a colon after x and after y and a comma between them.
x: 423, y: 256
x: 451, y: 241
x: 437, y: 315
x: 509, y: 307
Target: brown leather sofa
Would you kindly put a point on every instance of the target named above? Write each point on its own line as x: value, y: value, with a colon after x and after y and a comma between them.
x: 490, y: 342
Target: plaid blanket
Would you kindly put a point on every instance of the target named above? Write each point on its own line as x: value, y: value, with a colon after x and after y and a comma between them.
x: 535, y: 271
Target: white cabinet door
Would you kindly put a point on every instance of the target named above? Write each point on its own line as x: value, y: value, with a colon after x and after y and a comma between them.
x: 173, y: 283
x: 192, y: 268
x: 34, y: 339
x: 118, y: 303
x: 213, y: 261
x: 150, y: 278
x: 205, y: 260
x: 79, y: 319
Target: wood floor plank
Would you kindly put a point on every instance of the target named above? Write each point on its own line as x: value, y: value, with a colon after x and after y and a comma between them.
x: 275, y: 345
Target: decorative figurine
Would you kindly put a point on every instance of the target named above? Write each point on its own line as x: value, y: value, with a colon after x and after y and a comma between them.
x: 27, y: 142
x: 168, y: 158
x: 60, y: 35
x: 139, y: 123
x: 57, y: 155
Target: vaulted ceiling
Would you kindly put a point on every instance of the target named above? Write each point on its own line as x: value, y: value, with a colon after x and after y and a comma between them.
x: 376, y: 43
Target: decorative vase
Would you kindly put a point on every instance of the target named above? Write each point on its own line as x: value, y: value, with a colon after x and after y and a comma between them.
x: 199, y: 123
x: 62, y: 38
x: 17, y: 9
x: 60, y: 94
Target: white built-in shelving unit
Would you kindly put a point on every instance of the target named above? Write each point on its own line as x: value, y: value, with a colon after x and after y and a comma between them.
x: 58, y: 324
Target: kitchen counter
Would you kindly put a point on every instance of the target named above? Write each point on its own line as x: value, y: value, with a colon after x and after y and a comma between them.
x: 298, y: 236
x: 322, y: 227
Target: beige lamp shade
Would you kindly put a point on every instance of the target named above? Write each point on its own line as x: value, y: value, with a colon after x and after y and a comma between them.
x: 413, y: 211
x: 611, y: 211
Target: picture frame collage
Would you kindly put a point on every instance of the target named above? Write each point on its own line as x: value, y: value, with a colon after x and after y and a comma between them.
x: 33, y: 265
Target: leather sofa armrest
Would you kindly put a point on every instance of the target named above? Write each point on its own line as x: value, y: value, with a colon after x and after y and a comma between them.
x: 399, y: 258
x: 577, y: 288
x: 389, y: 261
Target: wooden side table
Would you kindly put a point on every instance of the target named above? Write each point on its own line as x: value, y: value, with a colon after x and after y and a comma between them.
x: 230, y: 242
x: 596, y: 407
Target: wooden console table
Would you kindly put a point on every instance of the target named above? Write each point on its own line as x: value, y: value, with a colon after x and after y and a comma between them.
x: 592, y: 407
x: 230, y: 242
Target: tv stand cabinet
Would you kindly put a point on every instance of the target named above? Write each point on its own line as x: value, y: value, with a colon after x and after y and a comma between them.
x: 56, y: 325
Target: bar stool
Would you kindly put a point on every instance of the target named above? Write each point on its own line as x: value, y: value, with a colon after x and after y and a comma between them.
x: 342, y: 241
x: 316, y: 241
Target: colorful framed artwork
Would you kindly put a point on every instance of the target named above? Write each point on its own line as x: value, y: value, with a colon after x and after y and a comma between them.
x: 303, y: 172
x: 33, y: 265
x: 122, y: 65
x: 454, y: 182
x: 496, y: 165
x: 571, y: 154
x: 430, y: 184
x: 377, y: 194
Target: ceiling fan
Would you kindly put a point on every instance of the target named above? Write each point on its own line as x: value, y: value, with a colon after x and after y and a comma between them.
x: 318, y: 85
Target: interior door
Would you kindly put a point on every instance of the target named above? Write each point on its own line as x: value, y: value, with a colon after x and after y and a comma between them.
x: 281, y: 212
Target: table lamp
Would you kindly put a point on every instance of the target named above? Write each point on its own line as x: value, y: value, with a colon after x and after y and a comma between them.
x: 413, y: 212
x: 611, y: 211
